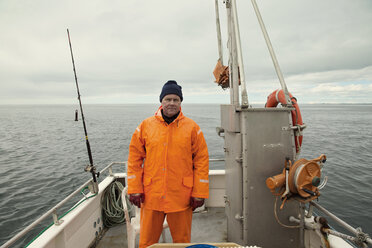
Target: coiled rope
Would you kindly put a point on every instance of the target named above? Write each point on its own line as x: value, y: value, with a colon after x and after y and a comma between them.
x: 112, y: 206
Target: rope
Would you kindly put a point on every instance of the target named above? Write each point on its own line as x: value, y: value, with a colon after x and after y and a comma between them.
x: 112, y: 206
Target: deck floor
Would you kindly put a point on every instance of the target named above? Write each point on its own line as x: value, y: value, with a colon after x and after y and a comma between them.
x: 208, y: 226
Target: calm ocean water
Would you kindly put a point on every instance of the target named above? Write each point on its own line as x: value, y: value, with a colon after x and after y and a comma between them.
x: 43, y: 153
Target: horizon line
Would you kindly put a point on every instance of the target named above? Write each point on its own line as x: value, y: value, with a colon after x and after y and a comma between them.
x: 132, y: 103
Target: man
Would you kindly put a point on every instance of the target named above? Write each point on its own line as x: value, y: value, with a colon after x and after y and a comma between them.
x: 168, y: 169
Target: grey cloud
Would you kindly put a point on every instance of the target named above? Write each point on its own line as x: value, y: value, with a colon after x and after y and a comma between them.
x: 134, y: 47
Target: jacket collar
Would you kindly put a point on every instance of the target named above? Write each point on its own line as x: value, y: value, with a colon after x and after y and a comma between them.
x: 159, y: 116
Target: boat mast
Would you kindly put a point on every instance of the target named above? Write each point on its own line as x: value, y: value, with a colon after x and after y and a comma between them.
x: 255, y: 141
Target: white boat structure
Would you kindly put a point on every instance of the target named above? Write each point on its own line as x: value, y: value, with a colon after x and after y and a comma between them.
x: 241, y: 211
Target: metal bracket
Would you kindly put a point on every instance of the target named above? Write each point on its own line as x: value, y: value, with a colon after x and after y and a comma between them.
x: 56, y: 221
x: 93, y: 187
x: 239, y: 217
x: 219, y: 131
x: 310, y: 211
x: 285, y: 128
x: 110, y: 171
x: 299, y: 128
x: 227, y: 202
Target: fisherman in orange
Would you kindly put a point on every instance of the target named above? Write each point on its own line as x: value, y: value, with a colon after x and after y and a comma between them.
x: 167, y: 169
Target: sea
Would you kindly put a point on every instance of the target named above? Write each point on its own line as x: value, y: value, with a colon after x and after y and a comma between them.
x: 43, y: 154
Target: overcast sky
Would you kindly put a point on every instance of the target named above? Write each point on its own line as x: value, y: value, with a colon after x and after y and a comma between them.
x: 126, y: 50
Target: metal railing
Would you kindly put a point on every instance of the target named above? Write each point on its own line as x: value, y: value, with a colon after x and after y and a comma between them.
x: 216, y: 159
x: 363, y: 237
x: 53, y: 210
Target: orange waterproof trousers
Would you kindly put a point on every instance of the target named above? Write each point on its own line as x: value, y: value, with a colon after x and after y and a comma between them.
x: 152, y: 226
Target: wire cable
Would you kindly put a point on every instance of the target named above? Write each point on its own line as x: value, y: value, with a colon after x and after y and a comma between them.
x: 277, y: 219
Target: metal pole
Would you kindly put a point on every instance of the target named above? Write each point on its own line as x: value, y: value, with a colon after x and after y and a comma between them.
x: 272, y: 53
x: 335, y: 218
x: 218, y: 26
x: 339, y: 221
x: 233, y: 70
x: 239, y: 55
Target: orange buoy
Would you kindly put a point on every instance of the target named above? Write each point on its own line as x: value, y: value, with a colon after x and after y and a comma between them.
x: 276, y: 97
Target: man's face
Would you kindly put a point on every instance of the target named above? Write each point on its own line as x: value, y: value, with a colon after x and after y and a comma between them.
x: 171, y: 105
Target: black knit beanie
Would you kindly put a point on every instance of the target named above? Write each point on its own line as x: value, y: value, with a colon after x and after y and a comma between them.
x: 171, y: 87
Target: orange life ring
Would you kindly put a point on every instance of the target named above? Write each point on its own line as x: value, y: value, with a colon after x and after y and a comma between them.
x: 278, y: 96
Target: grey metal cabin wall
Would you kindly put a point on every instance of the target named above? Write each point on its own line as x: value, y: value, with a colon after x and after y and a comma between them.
x: 230, y: 122
x: 269, y: 141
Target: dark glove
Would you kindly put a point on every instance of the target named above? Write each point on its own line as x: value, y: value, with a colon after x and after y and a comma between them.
x: 196, y: 202
x: 137, y: 199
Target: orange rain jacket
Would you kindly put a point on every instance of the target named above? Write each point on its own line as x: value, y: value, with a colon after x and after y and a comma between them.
x: 176, y: 163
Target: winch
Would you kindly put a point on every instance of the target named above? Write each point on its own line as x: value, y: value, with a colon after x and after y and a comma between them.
x: 301, y: 179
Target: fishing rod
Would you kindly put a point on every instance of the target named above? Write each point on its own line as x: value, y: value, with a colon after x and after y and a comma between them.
x: 89, y: 168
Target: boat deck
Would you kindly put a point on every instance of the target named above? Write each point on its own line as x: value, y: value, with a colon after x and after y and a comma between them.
x: 208, y: 226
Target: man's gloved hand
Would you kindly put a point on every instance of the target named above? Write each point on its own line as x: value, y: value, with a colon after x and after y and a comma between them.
x: 196, y: 202
x: 137, y: 199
